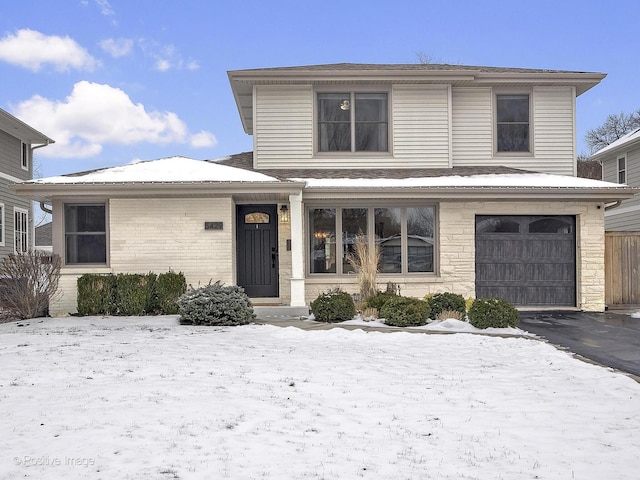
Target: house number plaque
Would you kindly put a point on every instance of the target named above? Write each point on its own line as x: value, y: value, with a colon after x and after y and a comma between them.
x: 213, y: 225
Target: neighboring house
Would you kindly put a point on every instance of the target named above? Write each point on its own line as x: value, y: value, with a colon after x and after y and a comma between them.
x: 17, y: 143
x: 43, y: 240
x: 464, y: 176
x: 621, y: 164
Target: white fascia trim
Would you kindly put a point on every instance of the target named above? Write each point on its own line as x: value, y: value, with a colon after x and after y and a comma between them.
x: 11, y: 178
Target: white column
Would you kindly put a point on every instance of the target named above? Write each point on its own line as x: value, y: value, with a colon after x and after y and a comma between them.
x: 297, y: 251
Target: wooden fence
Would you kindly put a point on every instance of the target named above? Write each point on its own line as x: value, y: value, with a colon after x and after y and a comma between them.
x: 622, y: 268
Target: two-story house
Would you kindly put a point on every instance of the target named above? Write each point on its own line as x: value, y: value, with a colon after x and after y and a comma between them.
x: 17, y: 143
x: 621, y: 164
x: 464, y: 177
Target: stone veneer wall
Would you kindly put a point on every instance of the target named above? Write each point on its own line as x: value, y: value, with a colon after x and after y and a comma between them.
x: 456, y: 243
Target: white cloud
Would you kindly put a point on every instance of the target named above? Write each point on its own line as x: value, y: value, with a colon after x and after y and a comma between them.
x: 105, y: 8
x: 117, y: 47
x: 163, y: 65
x: 31, y: 49
x: 203, y: 139
x: 94, y: 115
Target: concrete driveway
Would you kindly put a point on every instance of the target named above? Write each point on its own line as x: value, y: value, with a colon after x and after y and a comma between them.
x: 611, y: 339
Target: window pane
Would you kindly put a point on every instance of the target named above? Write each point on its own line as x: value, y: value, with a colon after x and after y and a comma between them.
x: 512, y: 123
x: 498, y: 225
x: 334, y: 122
x: 86, y: 249
x: 322, y: 226
x: 85, y: 218
x: 389, y: 238
x: 513, y: 138
x: 550, y: 225
x: 371, y: 122
x: 354, y: 225
x: 256, y: 217
x: 420, y: 228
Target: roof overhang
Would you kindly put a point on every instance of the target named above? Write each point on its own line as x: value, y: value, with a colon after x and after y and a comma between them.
x: 603, y: 195
x: 43, y: 192
x: 21, y: 130
x: 243, y: 81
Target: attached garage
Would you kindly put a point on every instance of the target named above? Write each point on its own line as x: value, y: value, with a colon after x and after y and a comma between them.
x: 528, y: 260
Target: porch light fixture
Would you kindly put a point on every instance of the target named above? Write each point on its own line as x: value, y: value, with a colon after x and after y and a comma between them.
x: 284, y: 214
x: 345, y: 105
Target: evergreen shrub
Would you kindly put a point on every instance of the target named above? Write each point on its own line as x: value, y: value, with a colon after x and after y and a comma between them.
x: 493, y: 312
x: 169, y: 286
x: 215, y: 304
x: 405, y: 312
x: 134, y: 293
x: 96, y: 294
x: 333, y: 306
x: 441, y: 302
x: 380, y: 298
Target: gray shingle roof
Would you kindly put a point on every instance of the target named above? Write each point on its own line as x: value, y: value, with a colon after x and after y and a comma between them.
x: 245, y: 160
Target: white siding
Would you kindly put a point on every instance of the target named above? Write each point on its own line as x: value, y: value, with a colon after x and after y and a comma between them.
x: 283, y: 130
x: 421, y: 126
x: 472, y: 126
x: 553, y: 129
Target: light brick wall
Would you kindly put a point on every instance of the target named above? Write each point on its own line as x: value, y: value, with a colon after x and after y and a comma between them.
x: 457, y: 251
x: 158, y: 235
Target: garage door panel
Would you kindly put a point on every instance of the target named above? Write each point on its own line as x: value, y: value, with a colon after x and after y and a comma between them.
x: 535, y: 266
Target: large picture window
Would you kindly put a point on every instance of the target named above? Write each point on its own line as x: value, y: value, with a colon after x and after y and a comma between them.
x: 353, y: 122
x: 513, y: 123
x: 85, y: 234
x: 403, y: 235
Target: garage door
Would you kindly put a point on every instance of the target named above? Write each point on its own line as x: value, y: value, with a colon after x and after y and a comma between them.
x: 526, y: 260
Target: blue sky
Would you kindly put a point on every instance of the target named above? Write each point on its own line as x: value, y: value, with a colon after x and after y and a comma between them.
x: 113, y: 81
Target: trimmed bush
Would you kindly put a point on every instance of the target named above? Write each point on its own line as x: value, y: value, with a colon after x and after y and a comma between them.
x: 169, y: 286
x: 441, y: 302
x: 446, y: 314
x: 134, y: 293
x: 334, y: 306
x: 493, y: 312
x: 215, y: 304
x: 405, y: 312
x: 380, y: 298
x: 96, y: 294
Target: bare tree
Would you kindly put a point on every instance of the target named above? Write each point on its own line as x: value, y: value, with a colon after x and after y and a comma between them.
x: 589, y: 168
x: 28, y: 282
x: 614, y: 127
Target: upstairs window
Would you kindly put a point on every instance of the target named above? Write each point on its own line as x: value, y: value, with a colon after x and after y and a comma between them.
x: 513, y: 123
x: 24, y: 156
x: 353, y: 122
x: 622, y: 169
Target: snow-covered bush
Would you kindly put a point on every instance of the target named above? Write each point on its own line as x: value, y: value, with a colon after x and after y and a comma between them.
x: 215, y: 304
x: 405, y: 312
x: 493, y: 312
x: 447, y: 301
x: 333, y: 306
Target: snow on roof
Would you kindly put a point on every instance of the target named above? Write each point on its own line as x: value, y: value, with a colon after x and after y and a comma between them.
x: 531, y: 180
x: 172, y: 169
x: 628, y: 138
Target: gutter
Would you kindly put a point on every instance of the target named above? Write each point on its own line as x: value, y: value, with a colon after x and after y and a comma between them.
x: 612, y: 206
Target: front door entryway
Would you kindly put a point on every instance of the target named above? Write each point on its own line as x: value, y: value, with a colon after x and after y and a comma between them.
x: 257, y: 249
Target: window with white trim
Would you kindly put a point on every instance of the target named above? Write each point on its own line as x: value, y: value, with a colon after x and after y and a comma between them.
x: 353, y: 122
x: 404, y: 236
x: 622, y: 169
x: 513, y: 123
x: 85, y: 234
x: 24, y: 156
x: 21, y: 230
x: 1, y: 224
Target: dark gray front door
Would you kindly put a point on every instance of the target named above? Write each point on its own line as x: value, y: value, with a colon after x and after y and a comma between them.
x: 257, y: 249
x: 528, y: 260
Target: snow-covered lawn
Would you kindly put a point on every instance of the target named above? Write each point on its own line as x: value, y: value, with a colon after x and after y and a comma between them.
x: 146, y: 398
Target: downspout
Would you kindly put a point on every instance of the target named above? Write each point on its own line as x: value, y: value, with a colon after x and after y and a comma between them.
x: 612, y: 205
x: 45, y: 209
